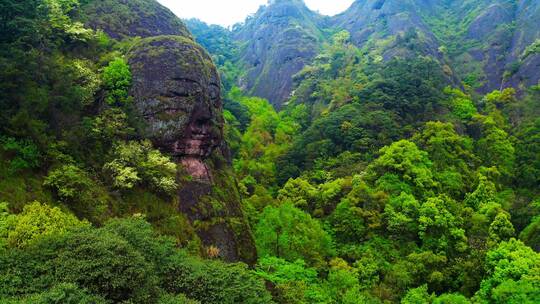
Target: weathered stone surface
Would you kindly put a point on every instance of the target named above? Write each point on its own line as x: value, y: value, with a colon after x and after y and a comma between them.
x: 130, y: 18
x: 176, y: 90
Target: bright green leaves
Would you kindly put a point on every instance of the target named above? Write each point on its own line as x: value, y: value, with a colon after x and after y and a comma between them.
x: 512, y: 275
x: 138, y: 163
x: 117, y: 81
x: 495, y: 147
x: 401, y: 214
x: 439, y: 226
x: 289, y: 233
x: 35, y: 222
x: 501, y: 229
x: 403, y: 162
x: 461, y: 105
x: 78, y: 190
x: 452, y: 155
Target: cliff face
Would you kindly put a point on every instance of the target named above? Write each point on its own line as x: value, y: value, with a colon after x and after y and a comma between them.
x: 277, y: 42
x: 176, y: 91
x: 525, y: 48
x: 482, y: 41
x: 485, y: 44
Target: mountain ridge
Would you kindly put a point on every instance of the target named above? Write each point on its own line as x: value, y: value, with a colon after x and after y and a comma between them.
x: 458, y: 34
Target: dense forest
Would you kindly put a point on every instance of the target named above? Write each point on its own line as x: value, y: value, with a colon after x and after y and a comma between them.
x: 389, y: 154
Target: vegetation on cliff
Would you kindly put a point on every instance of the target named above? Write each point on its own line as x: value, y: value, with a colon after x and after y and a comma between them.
x: 382, y: 178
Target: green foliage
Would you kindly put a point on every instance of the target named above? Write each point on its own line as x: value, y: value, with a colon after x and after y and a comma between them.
x: 213, y: 282
x: 38, y: 221
x: 376, y: 183
x: 289, y: 233
x: 452, y: 155
x: 117, y: 81
x: 22, y: 154
x: 279, y: 271
x: 512, y: 275
x: 531, y: 234
x: 138, y: 163
x: 495, y: 147
x: 65, y: 293
x: 501, y: 229
x: 439, y: 226
x: 528, y: 154
x: 119, y: 273
x: 533, y: 48
x: 401, y: 214
x: 75, y: 188
x: 402, y: 166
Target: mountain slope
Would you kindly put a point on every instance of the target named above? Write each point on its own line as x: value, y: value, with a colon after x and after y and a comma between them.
x: 276, y: 43
x: 485, y: 45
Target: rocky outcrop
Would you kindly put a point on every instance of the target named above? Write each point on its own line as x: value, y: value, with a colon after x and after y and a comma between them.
x: 526, y: 36
x: 130, y: 18
x: 278, y: 41
x: 480, y: 42
x: 176, y: 92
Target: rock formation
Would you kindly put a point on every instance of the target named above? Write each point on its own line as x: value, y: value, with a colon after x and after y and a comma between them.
x: 176, y: 91
x: 279, y: 41
x: 130, y: 18
x: 481, y: 43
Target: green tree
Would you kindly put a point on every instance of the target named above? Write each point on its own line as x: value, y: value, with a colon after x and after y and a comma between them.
x: 402, y: 214
x: 501, y: 229
x: 66, y: 293
x: 495, y: 147
x: 117, y: 81
x: 138, y: 163
x: 289, y: 233
x: 451, y: 154
x: 440, y: 226
x: 77, y: 189
x: 213, y: 282
x: 512, y: 275
x: 37, y: 221
x: 403, y: 167
x: 106, y: 265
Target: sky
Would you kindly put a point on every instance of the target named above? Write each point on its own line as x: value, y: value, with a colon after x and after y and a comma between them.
x: 229, y: 12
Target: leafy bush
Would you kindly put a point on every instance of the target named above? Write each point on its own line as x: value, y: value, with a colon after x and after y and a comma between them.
x: 78, y: 191
x: 37, y: 221
x: 23, y: 154
x: 214, y: 282
x: 117, y: 81
x: 137, y: 163
x: 289, y: 233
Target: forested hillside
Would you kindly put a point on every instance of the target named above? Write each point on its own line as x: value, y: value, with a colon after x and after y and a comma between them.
x: 389, y: 154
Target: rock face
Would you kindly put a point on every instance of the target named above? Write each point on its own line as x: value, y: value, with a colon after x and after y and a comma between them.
x: 176, y: 91
x: 279, y: 40
x: 129, y: 18
x: 479, y: 42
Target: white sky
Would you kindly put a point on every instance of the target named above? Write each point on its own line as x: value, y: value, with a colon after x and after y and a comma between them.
x: 229, y: 12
